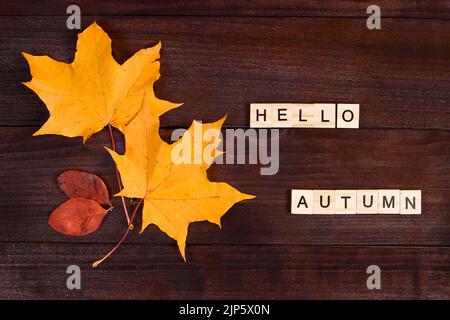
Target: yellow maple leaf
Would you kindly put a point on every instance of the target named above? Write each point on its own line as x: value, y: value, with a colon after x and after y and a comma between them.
x: 94, y: 90
x: 175, y: 193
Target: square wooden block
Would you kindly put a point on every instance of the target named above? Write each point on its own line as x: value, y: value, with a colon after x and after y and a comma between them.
x: 260, y: 115
x: 325, y: 115
x: 324, y: 201
x: 282, y: 115
x: 389, y: 201
x: 347, y: 116
x: 367, y: 201
x: 345, y: 202
x: 304, y: 115
x: 302, y: 201
x: 410, y: 202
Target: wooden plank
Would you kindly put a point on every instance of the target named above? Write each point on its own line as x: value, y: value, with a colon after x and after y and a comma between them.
x: 324, y: 201
x: 309, y: 159
x: 299, y: 8
x: 220, y: 65
x: 302, y: 201
x: 38, y: 271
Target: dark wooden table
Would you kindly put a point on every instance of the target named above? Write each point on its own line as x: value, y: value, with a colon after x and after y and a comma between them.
x: 218, y: 57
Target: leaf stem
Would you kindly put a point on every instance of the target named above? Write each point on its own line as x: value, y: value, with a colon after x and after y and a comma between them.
x: 96, y: 263
x: 119, y: 180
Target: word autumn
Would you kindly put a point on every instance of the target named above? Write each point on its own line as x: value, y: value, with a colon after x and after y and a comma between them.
x: 381, y: 201
x: 303, y: 115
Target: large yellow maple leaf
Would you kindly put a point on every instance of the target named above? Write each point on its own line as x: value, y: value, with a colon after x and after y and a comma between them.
x: 94, y: 90
x: 175, y: 193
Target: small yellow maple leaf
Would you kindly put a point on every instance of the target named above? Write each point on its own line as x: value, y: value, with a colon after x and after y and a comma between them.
x: 175, y: 194
x: 94, y: 90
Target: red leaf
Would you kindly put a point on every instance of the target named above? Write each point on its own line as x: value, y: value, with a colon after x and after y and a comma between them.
x: 77, y: 217
x: 82, y: 184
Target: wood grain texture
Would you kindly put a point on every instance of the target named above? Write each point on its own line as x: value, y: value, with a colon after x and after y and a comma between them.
x: 218, y: 66
x: 296, y: 8
x: 309, y: 159
x: 223, y: 272
x: 218, y: 57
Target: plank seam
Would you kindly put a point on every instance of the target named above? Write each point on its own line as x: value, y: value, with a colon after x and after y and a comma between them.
x: 362, y: 17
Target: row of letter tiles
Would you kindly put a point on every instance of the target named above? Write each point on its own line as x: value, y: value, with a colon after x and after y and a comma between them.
x: 382, y: 201
x: 303, y: 115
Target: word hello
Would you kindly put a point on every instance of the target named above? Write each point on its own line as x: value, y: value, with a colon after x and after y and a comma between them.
x: 301, y: 115
x: 356, y: 201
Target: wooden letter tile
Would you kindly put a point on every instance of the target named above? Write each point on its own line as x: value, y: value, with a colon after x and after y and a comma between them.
x: 389, y: 201
x: 282, y: 115
x: 302, y: 201
x: 410, y: 202
x: 326, y: 117
x: 324, y: 201
x: 260, y: 115
x: 305, y: 115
